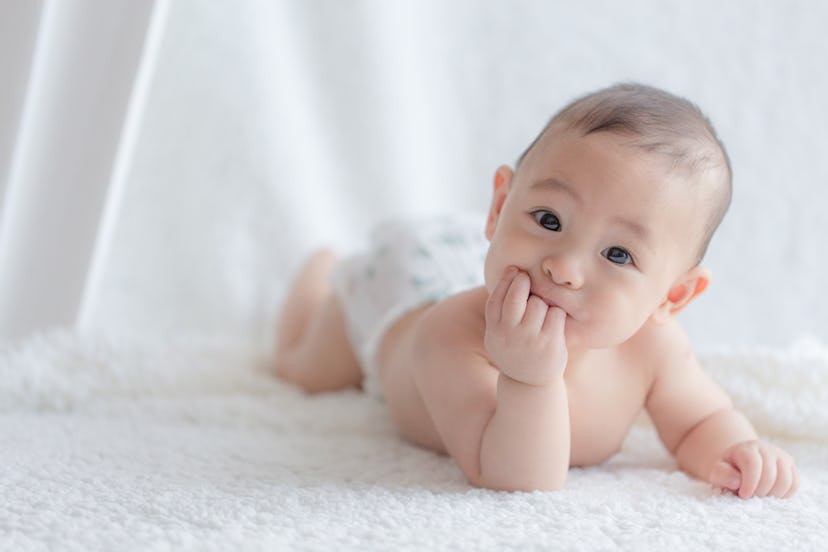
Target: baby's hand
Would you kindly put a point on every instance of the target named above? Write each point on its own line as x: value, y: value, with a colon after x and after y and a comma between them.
x: 524, y: 336
x: 756, y: 468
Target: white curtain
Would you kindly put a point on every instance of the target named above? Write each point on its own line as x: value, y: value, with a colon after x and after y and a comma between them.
x: 164, y: 167
x: 69, y: 103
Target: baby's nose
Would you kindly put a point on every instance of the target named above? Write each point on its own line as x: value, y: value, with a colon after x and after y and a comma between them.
x: 563, y: 270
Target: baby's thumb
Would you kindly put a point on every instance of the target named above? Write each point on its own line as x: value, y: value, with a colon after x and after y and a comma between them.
x: 725, y: 476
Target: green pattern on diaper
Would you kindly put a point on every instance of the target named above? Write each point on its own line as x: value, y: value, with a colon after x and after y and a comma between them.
x: 420, y: 283
x: 422, y: 252
x: 454, y: 239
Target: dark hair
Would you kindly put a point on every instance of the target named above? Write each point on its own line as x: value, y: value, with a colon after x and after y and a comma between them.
x: 661, y: 123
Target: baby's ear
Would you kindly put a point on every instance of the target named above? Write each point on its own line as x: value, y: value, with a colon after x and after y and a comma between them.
x: 691, y: 284
x: 502, y: 184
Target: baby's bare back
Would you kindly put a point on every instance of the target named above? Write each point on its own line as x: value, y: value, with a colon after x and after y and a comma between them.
x: 606, y: 388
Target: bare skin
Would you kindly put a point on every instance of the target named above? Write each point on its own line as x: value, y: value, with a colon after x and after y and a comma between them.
x: 312, y: 348
x: 548, y: 365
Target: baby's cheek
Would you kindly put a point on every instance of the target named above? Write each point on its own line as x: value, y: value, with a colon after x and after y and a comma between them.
x: 488, y: 280
x: 492, y: 272
x: 602, y: 328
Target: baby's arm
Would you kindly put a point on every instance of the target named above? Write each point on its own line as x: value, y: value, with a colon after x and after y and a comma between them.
x: 711, y: 440
x: 507, y: 430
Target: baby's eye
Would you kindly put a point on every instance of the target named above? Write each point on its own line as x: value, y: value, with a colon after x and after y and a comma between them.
x: 547, y: 220
x: 617, y: 255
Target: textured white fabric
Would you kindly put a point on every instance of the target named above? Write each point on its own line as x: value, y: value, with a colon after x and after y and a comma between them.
x: 409, y: 262
x: 106, y: 445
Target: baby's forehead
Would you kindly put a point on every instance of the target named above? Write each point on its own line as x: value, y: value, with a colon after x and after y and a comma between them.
x: 685, y: 168
x: 673, y: 148
x: 621, y: 154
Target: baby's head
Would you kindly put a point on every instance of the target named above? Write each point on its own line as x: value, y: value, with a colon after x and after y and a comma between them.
x: 610, y: 210
x: 670, y: 128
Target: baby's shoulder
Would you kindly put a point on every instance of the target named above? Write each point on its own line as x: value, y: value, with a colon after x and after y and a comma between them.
x: 466, y: 309
x: 459, y: 317
x: 657, y: 347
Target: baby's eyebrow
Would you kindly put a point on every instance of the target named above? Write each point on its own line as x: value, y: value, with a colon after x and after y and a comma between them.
x: 635, y: 228
x: 555, y: 185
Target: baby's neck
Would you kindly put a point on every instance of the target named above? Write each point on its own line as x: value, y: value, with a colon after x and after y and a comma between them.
x: 576, y: 357
x: 580, y: 358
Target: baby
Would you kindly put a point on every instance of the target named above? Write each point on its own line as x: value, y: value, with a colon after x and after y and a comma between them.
x: 535, y: 349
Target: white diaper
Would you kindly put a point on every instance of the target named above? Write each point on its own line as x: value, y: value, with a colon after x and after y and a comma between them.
x: 408, y: 263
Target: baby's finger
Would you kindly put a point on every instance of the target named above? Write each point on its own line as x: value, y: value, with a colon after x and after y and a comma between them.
x: 768, y: 476
x: 784, y: 479
x: 535, y: 313
x: 514, y: 304
x: 725, y: 476
x: 795, y: 484
x: 494, y: 305
x: 555, y: 322
x: 749, y: 462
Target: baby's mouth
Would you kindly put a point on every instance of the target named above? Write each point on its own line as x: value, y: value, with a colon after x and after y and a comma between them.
x: 551, y: 303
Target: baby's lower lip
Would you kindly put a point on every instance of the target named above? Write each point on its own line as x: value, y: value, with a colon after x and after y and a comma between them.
x: 549, y: 302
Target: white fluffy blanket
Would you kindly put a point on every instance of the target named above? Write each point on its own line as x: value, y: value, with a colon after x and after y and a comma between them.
x: 106, y: 445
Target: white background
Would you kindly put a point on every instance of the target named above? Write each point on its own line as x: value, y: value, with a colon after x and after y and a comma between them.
x: 271, y: 128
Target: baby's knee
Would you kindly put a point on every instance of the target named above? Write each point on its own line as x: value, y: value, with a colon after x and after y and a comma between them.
x: 291, y: 371
x: 284, y: 365
x: 292, y: 368
x: 322, y: 260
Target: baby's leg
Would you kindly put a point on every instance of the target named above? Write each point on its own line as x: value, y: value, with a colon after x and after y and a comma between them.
x: 312, y: 348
